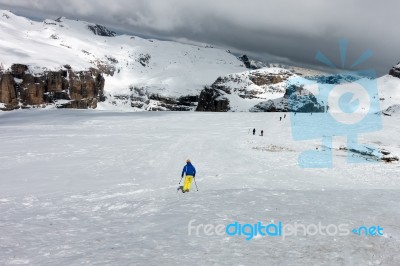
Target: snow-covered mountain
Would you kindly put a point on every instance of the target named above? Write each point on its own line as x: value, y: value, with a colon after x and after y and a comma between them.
x: 142, y: 73
x: 271, y: 90
x: 75, y: 64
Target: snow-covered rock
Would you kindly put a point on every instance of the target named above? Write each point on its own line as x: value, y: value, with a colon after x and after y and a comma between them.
x: 296, y: 99
x: 252, y: 64
x: 395, y: 71
x: 262, y: 90
x: 241, y: 91
x: 392, y: 110
x: 100, y: 30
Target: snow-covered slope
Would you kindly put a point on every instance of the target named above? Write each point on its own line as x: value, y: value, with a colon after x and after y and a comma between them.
x: 164, y: 68
x: 389, y: 91
x: 99, y: 188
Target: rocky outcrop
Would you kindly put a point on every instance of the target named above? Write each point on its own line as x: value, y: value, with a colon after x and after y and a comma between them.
x: 32, y: 90
x: 267, y: 106
x: 140, y: 98
x: 18, y: 70
x: 260, y: 80
x: 392, y: 110
x: 21, y: 89
x: 8, y: 93
x: 212, y: 100
x: 395, y: 71
x: 296, y: 99
x: 251, y: 64
x: 255, y: 84
x: 101, y: 30
x: 184, y: 103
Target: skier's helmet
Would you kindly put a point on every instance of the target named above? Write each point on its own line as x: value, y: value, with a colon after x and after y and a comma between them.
x: 188, y: 160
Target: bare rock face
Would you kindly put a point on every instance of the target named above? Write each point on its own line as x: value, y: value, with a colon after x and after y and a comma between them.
x: 56, y: 81
x: 261, y: 80
x: 212, y: 100
x: 101, y: 30
x: 267, y: 106
x: 82, y: 104
x: 8, y: 94
x: 19, y: 88
x: 86, y: 89
x: 32, y: 90
x: 18, y: 70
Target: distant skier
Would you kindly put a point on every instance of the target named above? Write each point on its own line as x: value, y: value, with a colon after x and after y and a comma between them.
x: 284, y: 116
x: 254, y: 131
x: 190, y: 172
x: 280, y: 118
x: 262, y: 133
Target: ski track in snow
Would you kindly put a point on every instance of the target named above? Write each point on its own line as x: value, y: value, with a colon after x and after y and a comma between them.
x: 87, y: 187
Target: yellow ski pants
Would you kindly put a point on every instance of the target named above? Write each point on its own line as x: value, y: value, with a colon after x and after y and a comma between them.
x: 188, y: 183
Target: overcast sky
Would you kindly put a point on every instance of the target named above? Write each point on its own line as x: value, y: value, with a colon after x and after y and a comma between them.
x: 279, y: 30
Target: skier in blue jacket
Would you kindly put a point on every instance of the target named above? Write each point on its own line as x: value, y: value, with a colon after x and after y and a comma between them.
x: 190, y: 173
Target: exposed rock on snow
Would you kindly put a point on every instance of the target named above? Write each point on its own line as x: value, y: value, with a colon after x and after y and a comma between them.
x: 240, y: 91
x: 81, y: 89
x: 142, y: 99
x: 395, y: 71
x: 267, y: 106
x: 388, y: 157
x: 370, y: 153
x: 100, y: 30
x: 392, y: 110
x: 212, y: 100
x: 8, y: 94
x: 251, y: 64
x: 272, y: 148
x: 296, y: 99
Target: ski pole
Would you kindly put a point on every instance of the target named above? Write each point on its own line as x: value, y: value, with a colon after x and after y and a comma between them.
x: 179, y: 184
x: 195, y: 183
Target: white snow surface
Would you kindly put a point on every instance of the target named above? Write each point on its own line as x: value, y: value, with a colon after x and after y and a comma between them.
x: 99, y: 188
x: 173, y: 69
x: 389, y: 91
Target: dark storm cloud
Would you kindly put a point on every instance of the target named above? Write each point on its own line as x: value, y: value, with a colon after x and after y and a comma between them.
x: 286, y: 31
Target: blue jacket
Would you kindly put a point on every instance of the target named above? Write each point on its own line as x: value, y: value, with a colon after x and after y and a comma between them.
x: 189, y: 169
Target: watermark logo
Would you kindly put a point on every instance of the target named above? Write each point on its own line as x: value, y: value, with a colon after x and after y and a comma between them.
x: 250, y: 231
x: 347, y: 104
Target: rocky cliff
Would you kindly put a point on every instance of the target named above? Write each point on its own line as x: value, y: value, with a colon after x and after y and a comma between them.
x: 241, y: 91
x: 296, y: 99
x: 66, y: 88
x: 212, y: 100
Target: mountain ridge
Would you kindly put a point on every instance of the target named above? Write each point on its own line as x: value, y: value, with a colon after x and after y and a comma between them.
x: 129, y: 73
